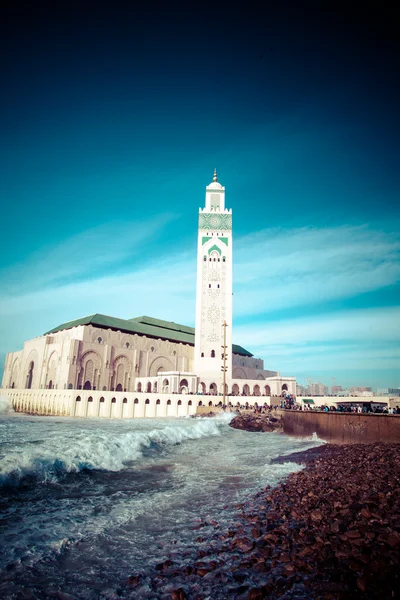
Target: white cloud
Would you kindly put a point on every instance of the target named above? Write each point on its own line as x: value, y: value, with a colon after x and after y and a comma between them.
x: 103, y: 271
x: 281, y: 269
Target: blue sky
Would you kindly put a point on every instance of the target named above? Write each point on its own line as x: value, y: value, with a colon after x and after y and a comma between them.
x: 112, y: 122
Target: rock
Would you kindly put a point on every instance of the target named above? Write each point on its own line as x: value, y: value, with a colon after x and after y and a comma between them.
x: 256, y: 422
x: 178, y: 594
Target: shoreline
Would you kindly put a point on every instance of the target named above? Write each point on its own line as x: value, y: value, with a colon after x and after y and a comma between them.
x: 330, y: 531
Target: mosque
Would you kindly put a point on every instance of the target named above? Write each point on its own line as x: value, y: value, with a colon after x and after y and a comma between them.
x: 103, y: 366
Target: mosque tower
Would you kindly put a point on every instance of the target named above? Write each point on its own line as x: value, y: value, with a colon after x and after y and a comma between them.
x: 214, y: 288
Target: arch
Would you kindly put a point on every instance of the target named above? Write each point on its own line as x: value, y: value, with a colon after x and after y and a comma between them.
x: 155, y: 387
x: 78, y: 399
x: 213, y: 389
x: 256, y: 390
x: 51, y: 370
x: 148, y: 387
x: 51, y: 385
x: 96, y: 361
x: 102, y: 399
x: 147, y: 401
x: 87, y: 386
x: 113, y: 400
x: 246, y: 390
x: 179, y: 402
x: 210, y: 403
x: 158, y: 401
x: 119, y: 388
x: 200, y: 403
x: 15, y: 373
x: 203, y: 387
x: 165, y: 386
x: 238, y: 373
x: 139, y: 387
x: 90, y: 399
x: 190, y: 403
x: 212, y: 353
x: 235, y: 389
x: 261, y: 377
x: 121, y: 371
x: 136, y: 401
x: 267, y: 390
x: 70, y: 386
x: 30, y: 372
x: 168, y: 402
x: 284, y: 387
x: 183, y: 386
x: 159, y: 364
x: 125, y: 401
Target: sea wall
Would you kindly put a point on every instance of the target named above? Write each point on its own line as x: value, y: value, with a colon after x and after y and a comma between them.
x: 342, y: 428
x: 114, y: 405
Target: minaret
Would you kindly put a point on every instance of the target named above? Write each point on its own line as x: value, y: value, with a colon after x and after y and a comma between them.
x: 214, y: 287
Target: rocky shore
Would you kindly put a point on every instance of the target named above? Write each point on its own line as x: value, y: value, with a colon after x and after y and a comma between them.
x: 250, y: 421
x: 330, y: 531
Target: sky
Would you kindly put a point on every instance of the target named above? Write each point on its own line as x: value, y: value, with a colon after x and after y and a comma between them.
x: 113, y: 118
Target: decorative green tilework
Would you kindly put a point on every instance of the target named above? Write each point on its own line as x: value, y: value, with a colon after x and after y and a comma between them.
x: 215, y: 221
x: 225, y: 240
x: 204, y: 240
x: 215, y: 248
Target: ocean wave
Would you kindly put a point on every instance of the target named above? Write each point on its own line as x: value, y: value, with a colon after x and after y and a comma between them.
x: 5, y: 405
x: 97, y: 449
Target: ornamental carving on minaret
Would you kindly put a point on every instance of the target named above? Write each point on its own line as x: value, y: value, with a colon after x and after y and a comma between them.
x: 215, y: 221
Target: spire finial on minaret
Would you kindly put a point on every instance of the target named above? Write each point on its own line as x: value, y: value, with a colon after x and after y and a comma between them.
x: 215, y: 178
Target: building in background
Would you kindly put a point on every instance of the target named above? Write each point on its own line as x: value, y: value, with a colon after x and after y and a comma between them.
x: 145, y: 354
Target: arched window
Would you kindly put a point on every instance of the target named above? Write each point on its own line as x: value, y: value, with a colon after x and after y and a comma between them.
x: 284, y: 387
x: 119, y: 388
x: 104, y: 388
x: 102, y: 399
x: 179, y: 402
x: 147, y: 401
x: 70, y: 386
x: 202, y: 355
x: 158, y: 401
x: 136, y: 401
x: 212, y: 353
x: 223, y: 259
x: 125, y: 401
x: 218, y: 283
x: 148, y: 389
x: 113, y: 401
x: 99, y: 339
x: 127, y: 344
x: 90, y: 399
x: 139, y: 387
x: 210, y: 403
x: 200, y: 403
x: 30, y: 375
x: 78, y: 399
x: 168, y: 402
x: 205, y: 258
x: 190, y: 403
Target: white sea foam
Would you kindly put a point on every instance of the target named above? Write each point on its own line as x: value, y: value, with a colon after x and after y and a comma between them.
x: 5, y: 405
x: 97, y: 448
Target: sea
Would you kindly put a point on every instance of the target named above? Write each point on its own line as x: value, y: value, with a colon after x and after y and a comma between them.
x: 86, y: 503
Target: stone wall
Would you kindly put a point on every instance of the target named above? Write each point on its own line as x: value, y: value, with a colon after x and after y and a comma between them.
x: 113, y: 405
x: 342, y: 428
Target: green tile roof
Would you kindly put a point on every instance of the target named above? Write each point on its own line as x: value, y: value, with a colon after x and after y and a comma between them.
x: 148, y: 326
